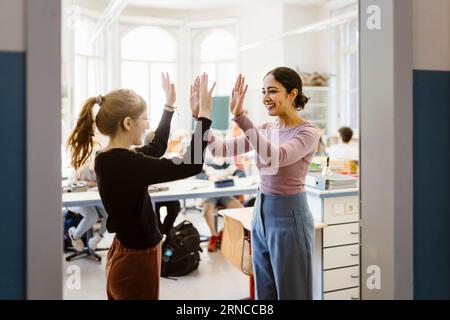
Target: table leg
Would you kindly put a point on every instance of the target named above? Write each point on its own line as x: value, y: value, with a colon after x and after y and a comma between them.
x: 252, y: 279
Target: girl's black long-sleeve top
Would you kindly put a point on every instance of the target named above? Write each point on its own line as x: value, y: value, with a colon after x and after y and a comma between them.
x: 123, y: 177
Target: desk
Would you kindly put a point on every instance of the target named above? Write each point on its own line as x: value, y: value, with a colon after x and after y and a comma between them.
x: 195, y: 189
x: 178, y: 190
x: 338, y: 209
x: 237, y: 231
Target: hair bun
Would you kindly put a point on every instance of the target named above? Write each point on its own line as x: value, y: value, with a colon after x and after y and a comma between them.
x: 301, y: 101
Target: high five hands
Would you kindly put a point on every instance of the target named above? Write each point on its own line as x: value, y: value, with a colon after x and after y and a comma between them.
x: 169, y: 89
x: 236, y: 101
x: 200, y: 97
x: 237, y: 96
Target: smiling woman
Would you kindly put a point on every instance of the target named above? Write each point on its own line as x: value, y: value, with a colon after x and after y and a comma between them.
x: 283, y: 227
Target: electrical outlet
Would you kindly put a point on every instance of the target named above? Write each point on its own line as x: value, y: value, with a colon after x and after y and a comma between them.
x: 351, y: 207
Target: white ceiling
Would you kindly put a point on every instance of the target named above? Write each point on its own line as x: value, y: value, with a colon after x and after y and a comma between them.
x: 207, y: 4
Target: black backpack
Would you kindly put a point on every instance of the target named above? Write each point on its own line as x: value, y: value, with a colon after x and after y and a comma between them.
x: 180, y: 250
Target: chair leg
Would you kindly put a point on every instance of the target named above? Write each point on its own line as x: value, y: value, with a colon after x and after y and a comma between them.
x: 216, y: 222
x: 184, y: 208
x: 86, y: 253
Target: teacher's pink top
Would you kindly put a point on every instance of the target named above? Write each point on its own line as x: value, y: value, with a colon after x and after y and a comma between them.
x: 283, y: 154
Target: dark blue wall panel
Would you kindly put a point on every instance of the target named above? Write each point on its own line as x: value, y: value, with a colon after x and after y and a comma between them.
x: 12, y: 165
x: 431, y: 185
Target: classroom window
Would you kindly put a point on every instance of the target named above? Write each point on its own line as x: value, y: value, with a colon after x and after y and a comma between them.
x: 349, y: 75
x: 142, y: 63
x: 89, y: 65
x: 83, y: 74
x: 217, y: 55
x: 345, y: 65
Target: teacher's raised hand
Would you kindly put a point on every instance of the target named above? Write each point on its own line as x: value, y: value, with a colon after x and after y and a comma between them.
x: 237, y: 96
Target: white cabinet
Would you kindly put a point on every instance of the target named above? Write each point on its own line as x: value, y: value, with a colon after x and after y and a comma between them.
x: 347, y: 294
x: 340, y: 234
x: 337, y: 279
x: 342, y: 256
x: 340, y: 242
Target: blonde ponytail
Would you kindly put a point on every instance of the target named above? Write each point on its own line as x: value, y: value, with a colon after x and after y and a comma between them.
x: 114, y: 108
x: 81, y: 140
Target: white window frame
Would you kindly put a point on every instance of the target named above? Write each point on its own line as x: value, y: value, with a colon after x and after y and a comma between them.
x: 339, y: 61
x: 200, y: 35
x: 74, y: 109
x: 127, y: 24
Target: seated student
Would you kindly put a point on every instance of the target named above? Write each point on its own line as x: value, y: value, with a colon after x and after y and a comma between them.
x: 215, y: 169
x: 173, y: 207
x: 344, y: 149
x: 90, y: 214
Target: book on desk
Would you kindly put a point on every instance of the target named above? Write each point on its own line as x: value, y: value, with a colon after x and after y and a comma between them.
x: 79, y: 186
x: 152, y: 189
x: 333, y: 182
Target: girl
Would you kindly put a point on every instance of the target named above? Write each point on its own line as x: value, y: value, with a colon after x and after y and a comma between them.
x: 90, y: 215
x: 123, y: 177
x: 282, y: 226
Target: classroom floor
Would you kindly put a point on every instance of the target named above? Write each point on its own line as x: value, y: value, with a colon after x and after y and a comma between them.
x: 215, y: 278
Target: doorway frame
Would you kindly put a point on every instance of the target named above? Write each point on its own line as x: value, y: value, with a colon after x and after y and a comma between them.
x: 386, y: 189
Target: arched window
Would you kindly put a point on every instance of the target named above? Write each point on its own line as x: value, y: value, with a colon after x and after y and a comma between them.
x: 219, y: 45
x: 217, y: 55
x: 145, y: 53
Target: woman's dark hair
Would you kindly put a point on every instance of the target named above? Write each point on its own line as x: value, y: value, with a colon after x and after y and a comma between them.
x: 290, y: 80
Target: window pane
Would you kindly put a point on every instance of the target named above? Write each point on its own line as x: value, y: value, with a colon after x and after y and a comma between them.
x: 210, y: 69
x: 135, y: 77
x: 80, y: 87
x: 220, y: 45
x: 353, y: 73
x: 95, y: 77
x: 353, y: 32
x: 227, y: 73
x: 157, y: 95
x: 149, y: 43
x: 353, y: 116
x: 83, y: 29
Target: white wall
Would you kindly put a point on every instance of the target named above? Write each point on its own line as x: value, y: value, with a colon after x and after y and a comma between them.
x: 308, y: 52
x: 257, y: 24
x: 301, y: 50
x: 431, y: 34
x: 12, y: 25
